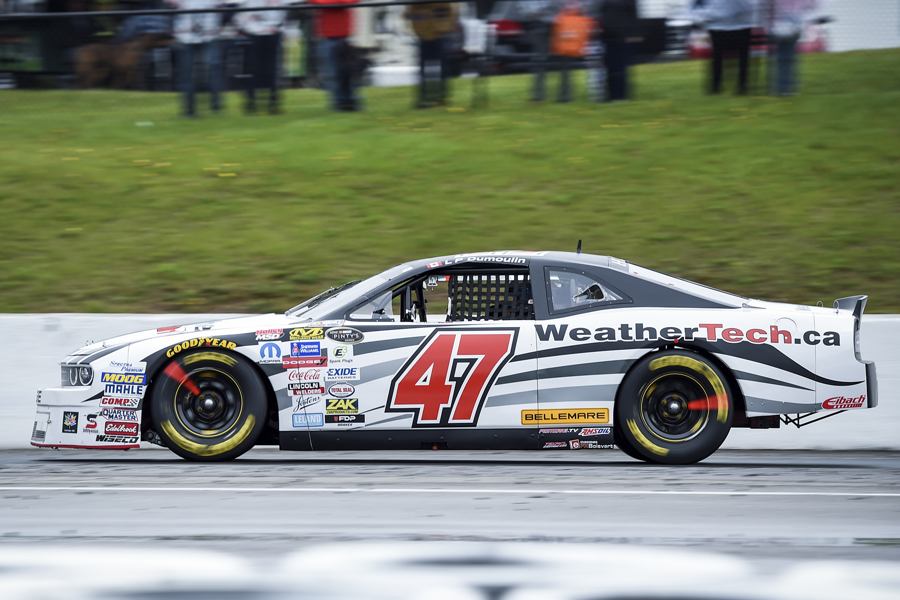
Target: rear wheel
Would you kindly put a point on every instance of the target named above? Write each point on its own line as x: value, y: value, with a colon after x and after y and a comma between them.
x: 673, y: 407
x: 209, y: 405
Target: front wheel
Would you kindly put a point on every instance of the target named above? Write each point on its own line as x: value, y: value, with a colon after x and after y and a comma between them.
x: 673, y: 407
x: 209, y: 405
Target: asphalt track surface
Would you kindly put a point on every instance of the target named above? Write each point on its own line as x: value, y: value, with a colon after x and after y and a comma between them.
x: 762, y: 505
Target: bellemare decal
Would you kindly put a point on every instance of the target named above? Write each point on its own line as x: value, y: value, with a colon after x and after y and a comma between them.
x: 447, y: 379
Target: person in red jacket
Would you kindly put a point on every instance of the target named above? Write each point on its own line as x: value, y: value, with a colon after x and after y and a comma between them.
x: 333, y: 29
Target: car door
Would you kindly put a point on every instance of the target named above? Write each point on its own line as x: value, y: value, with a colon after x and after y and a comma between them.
x: 579, y: 370
x: 440, y: 379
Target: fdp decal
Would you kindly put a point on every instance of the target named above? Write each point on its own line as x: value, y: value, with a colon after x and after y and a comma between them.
x: 446, y: 380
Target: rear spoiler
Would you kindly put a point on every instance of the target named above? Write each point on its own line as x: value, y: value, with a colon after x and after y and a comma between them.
x: 857, y: 304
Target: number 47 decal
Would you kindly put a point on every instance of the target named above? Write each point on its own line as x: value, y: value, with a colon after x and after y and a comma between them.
x: 446, y: 380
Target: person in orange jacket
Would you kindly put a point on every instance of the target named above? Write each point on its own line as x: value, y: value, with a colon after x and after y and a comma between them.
x: 333, y: 29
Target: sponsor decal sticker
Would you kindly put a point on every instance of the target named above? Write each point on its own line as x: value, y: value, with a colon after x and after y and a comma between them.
x: 575, y: 444
x: 267, y: 335
x: 306, y: 388
x: 120, y: 402
x: 345, y: 419
x: 200, y: 343
x: 345, y: 335
x: 118, y: 414
x: 557, y: 430
x: 124, y: 367
x: 136, y: 378
x: 308, y: 420
x: 307, y: 333
x: 304, y: 401
x: 306, y: 349
x: 843, y: 403
x: 342, y: 374
x: 550, y: 445
x: 342, y: 390
x: 90, y: 425
x: 70, y: 422
x: 342, y: 406
x: 120, y: 428
x: 305, y: 375
x: 117, y: 439
x: 300, y: 362
x: 592, y: 431
x: 269, y: 353
x: 342, y: 354
x: 123, y: 389
x: 711, y: 332
x: 554, y: 416
x: 447, y: 379
x: 167, y: 329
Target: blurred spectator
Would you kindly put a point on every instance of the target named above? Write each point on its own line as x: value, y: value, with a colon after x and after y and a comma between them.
x: 729, y: 23
x: 790, y: 18
x: 618, y: 20
x: 572, y: 30
x: 537, y: 18
x: 197, y: 36
x: 263, y: 30
x: 433, y: 24
x: 337, y: 58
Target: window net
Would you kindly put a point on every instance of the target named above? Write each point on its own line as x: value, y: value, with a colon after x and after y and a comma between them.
x: 495, y: 297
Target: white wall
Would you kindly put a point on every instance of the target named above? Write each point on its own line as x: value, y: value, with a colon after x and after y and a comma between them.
x: 31, y: 347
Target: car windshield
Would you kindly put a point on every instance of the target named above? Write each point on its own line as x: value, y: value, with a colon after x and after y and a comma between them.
x: 324, y: 302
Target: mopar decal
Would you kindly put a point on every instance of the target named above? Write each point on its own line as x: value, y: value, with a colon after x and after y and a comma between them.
x: 711, y: 332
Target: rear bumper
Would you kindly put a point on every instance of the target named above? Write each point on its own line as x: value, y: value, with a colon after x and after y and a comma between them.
x: 871, y: 385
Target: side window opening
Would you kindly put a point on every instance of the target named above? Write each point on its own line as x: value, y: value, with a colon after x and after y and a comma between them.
x: 572, y: 290
x: 489, y: 297
x: 454, y: 295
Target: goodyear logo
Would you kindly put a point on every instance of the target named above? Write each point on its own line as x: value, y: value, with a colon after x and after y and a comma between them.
x: 200, y: 343
x: 138, y: 378
x: 556, y: 416
x: 308, y: 333
x: 342, y: 406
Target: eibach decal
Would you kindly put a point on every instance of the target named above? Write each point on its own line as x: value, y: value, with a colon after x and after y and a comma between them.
x: 447, y: 379
x: 711, y: 332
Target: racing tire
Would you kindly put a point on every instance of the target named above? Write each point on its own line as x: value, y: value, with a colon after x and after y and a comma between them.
x: 624, y: 445
x: 673, y: 407
x: 209, y: 406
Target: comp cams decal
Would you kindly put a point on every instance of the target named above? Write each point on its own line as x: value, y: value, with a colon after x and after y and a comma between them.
x: 447, y: 379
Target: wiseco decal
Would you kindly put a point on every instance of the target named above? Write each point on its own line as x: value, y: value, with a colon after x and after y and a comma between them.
x: 843, y: 403
x: 711, y: 332
x: 446, y: 380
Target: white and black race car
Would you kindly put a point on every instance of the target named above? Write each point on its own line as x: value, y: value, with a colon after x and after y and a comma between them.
x: 492, y: 350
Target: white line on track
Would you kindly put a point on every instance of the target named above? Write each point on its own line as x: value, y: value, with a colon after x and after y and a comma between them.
x: 518, y: 491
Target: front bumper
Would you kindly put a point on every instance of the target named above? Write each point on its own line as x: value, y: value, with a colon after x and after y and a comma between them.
x: 68, y: 418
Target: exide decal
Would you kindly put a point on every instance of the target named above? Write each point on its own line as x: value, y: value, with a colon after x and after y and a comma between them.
x: 711, y: 332
x: 843, y: 403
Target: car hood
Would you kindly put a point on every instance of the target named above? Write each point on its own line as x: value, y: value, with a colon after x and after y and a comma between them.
x: 231, y: 325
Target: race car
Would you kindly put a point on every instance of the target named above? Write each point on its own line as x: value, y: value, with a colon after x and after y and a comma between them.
x: 489, y: 350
